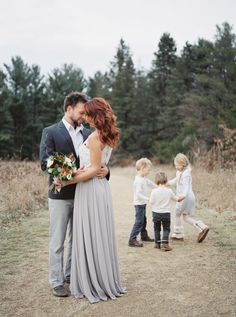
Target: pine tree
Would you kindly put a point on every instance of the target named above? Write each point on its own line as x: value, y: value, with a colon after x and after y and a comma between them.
x: 143, y: 117
x: 34, y: 108
x: 122, y: 74
x: 163, y: 96
x: 60, y: 83
x: 99, y: 86
x: 6, y: 122
x: 18, y: 80
x: 225, y: 66
x: 202, y: 103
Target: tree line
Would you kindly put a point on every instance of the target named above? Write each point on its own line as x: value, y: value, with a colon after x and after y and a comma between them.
x: 178, y: 103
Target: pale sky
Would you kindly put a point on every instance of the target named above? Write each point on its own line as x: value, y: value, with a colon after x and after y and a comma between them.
x: 87, y: 33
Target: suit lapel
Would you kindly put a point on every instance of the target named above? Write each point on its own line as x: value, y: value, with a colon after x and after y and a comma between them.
x: 67, y: 137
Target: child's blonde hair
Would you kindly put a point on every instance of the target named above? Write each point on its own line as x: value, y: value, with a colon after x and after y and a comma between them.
x: 161, y: 178
x: 181, y: 159
x: 143, y: 162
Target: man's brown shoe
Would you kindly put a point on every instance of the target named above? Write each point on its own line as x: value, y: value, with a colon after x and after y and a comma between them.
x: 60, y: 291
x: 166, y: 247
x: 135, y: 243
x: 202, y: 235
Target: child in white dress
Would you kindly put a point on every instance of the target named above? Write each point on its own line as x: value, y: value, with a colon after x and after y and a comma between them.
x: 185, y: 209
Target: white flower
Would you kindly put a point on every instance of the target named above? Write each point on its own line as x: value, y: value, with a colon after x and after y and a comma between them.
x: 50, y: 170
x: 68, y: 161
x: 49, y: 161
x: 68, y: 176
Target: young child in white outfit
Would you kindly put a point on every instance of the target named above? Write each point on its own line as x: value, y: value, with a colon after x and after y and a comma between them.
x: 185, y: 209
x: 161, y: 202
x: 142, y: 186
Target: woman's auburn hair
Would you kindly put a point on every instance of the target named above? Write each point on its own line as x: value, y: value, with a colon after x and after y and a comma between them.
x: 104, y: 120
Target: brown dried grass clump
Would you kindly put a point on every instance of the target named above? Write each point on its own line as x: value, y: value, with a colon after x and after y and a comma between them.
x: 23, y: 190
x: 216, y: 189
x: 223, y: 152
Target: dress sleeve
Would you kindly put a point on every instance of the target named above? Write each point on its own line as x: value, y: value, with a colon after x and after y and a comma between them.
x: 186, y: 185
x: 173, y: 181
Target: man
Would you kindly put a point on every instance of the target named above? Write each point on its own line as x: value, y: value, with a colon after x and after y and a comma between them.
x: 63, y: 137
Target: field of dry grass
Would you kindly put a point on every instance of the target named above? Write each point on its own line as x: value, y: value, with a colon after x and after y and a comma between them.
x: 23, y: 189
x: 192, y: 280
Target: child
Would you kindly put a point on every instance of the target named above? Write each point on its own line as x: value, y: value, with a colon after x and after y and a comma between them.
x: 160, y: 201
x: 141, y: 186
x: 183, y: 181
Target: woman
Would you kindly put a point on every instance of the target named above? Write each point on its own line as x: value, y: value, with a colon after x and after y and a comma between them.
x: 94, y: 270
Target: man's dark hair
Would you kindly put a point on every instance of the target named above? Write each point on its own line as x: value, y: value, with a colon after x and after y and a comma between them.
x: 73, y: 98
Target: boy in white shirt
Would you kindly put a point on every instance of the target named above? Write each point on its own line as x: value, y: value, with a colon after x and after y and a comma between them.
x: 142, y: 185
x: 160, y: 200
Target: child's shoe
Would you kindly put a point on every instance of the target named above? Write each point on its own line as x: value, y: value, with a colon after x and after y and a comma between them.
x: 166, y: 247
x: 157, y: 245
x: 177, y: 239
x: 135, y: 243
x: 202, y: 235
x: 178, y: 234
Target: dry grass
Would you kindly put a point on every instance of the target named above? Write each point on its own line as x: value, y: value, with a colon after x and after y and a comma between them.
x: 23, y: 188
x: 215, y: 190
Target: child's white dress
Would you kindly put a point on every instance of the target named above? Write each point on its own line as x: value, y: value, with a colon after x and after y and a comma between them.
x: 183, y: 182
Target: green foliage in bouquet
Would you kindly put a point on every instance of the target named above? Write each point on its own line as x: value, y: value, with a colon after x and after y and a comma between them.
x: 62, y: 168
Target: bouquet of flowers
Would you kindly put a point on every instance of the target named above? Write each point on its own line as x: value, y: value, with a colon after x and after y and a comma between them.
x: 62, y: 167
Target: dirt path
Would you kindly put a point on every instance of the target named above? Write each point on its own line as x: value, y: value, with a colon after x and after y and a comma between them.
x: 192, y: 280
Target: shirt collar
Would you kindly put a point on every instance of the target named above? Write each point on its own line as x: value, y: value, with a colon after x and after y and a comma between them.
x: 70, y: 127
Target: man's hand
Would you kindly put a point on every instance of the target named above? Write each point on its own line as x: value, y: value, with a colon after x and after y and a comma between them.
x: 58, y: 184
x: 103, y: 172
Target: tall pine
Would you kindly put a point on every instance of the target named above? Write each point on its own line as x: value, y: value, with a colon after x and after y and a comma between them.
x: 122, y: 75
x: 60, y: 83
x: 6, y: 122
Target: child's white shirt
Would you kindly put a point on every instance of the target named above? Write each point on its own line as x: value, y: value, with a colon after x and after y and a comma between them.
x: 142, y: 185
x: 161, y: 199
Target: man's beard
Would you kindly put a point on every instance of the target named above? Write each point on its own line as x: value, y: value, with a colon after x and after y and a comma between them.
x: 77, y: 123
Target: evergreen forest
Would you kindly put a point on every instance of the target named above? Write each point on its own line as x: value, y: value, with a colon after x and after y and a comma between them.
x: 182, y: 100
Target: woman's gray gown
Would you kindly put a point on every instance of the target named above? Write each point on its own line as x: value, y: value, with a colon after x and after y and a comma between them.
x: 94, y: 267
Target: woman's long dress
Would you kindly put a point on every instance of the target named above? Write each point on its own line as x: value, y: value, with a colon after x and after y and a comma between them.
x: 94, y: 267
